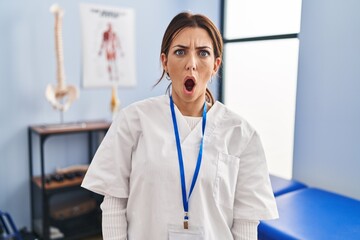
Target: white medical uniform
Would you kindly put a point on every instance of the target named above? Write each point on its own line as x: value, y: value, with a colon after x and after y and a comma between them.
x: 138, y: 160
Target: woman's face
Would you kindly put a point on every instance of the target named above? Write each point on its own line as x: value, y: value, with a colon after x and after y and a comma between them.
x: 190, y: 64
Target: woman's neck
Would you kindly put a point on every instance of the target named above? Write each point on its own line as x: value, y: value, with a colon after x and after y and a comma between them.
x: 191, y: 109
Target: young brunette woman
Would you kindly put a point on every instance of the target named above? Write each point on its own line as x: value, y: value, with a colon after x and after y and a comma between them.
x: 181, y: 165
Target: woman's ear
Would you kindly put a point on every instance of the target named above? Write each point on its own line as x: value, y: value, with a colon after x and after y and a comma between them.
x: 164, y: 61
x: 217, y: 64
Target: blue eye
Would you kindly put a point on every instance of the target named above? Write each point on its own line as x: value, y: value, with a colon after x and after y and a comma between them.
x: 204, y: 53
x: 180, y: 52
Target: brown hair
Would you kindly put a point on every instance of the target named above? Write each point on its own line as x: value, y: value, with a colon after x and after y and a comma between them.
x: 184, y: 20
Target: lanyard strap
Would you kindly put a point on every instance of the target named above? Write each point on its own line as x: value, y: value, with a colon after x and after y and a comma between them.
x: 181, y: 163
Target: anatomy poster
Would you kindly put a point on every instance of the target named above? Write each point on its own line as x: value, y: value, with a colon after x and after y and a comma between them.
x: 108, y: 39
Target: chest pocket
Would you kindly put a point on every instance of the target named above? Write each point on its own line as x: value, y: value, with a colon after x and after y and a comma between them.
x: 226, y: 178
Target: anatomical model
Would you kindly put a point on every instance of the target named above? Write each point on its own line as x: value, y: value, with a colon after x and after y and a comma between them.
x: 61, y: 95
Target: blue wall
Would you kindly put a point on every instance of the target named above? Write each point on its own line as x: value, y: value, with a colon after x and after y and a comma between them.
x: 327, y: 149
x: 27, y: 65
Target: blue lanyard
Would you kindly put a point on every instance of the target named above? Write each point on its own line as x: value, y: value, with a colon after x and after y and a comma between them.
x: 181, y: 163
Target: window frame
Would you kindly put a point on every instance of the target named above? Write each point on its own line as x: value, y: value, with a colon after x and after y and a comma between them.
x: 237, y: 40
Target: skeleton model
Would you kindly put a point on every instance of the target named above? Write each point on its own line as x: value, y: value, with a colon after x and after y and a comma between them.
x: 60, y: 96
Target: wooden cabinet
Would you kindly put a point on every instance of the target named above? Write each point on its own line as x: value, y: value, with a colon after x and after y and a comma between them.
x: 60, y: 208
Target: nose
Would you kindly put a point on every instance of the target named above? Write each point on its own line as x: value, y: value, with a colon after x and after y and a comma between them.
x: 191, y: 63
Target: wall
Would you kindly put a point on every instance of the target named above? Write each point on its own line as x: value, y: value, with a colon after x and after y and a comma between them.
x: 27, y: 65
x: 327, y: 152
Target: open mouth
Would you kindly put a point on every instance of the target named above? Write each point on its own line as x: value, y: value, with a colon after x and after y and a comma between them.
x: 189, y: 84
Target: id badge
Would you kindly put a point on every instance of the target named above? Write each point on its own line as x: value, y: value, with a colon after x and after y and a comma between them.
x: 177, y: 233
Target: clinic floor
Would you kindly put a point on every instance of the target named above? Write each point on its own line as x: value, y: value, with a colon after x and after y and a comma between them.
x: 97, y: 237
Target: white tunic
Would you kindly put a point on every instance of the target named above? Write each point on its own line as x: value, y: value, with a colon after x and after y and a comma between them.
x: 138, y: 160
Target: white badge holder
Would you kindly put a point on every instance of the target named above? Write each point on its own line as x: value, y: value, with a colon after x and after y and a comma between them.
x: 177, y: 233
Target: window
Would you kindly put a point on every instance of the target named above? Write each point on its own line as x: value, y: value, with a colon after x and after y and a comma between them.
x: 260, y: 71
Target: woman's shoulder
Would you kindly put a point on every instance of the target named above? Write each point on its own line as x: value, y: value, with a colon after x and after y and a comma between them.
x: 148, y: 104
x: 146, y: 110
x: 230, y: 117
x: 228, y: 122
x: 237, y: 130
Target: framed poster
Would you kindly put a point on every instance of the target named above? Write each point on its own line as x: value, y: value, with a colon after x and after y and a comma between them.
x: 108, y: 45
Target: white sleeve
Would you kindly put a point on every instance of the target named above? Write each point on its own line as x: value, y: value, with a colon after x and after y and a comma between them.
x: 114, y: 223
x: 254, y: 198
x: 110, y: 169
x: 244, y: 230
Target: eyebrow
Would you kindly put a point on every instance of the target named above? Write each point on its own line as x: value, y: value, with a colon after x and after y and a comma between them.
x: 186, y: 47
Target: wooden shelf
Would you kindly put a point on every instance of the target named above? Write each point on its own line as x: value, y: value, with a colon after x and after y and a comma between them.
x: 49, y: 201
x: 56, y: 185
x: 45, y: 129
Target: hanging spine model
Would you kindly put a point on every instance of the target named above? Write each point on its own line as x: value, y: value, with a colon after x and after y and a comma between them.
x: 61, y: 96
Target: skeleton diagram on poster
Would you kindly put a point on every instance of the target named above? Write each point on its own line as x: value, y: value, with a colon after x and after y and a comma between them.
x: 108, y: 46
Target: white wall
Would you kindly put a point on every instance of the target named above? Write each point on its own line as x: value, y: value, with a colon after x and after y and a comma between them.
x: 327, y: 152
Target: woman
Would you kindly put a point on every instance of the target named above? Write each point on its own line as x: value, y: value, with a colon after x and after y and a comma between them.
x: 180, y: 167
